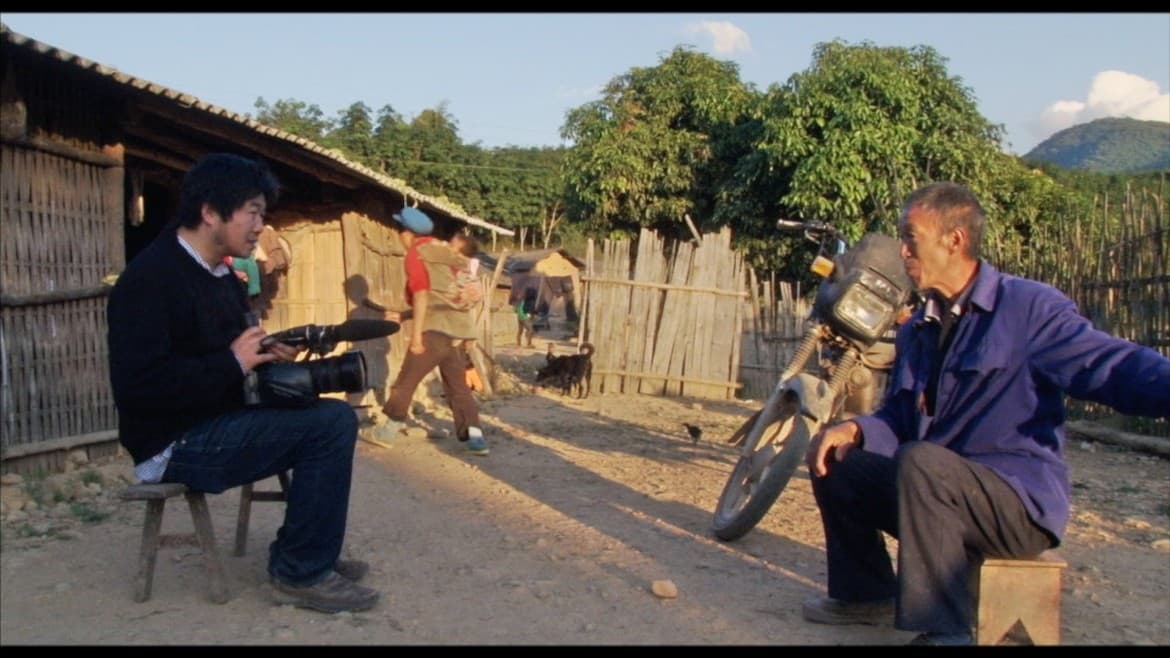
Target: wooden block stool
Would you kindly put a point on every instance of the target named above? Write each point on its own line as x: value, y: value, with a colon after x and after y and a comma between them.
x: 156, y: 497
x: 1023, y: 591
x: 248, y: 496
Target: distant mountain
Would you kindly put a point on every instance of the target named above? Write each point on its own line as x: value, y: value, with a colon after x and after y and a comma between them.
x: 1113, y: 145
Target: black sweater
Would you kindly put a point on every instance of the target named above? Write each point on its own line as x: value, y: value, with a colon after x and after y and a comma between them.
x: 171, y: 324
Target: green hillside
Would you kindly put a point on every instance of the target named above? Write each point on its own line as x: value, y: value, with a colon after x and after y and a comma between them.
x: 1112, y: 145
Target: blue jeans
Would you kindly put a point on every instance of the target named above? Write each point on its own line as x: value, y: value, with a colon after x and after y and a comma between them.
x: 316, y: 443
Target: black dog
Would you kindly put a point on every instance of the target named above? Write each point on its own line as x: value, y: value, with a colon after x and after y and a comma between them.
x: 571, y: 373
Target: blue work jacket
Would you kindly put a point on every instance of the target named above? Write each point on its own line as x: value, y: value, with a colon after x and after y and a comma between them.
x: 1017, y: 349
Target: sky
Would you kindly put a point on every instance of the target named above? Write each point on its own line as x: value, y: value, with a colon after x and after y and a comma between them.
x: 510, y: 78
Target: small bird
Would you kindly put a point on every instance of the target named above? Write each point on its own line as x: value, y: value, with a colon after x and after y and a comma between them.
x: 695, y: 431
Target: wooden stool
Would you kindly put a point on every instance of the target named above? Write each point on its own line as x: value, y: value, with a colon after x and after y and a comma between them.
x: 156, y: 497
x: 1023, y: 591
x: 247, y: 497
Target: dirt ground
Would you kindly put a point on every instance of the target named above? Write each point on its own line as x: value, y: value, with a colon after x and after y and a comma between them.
x: 556, y: 538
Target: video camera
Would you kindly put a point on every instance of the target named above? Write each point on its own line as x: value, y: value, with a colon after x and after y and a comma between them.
x: 285, y: 384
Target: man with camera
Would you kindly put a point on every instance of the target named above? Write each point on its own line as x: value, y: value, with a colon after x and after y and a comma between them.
x: 181, y: 347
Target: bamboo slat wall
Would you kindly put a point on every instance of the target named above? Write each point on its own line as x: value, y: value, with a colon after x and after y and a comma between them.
x: 774, y: 325
x: 62, y: 234
x: 314, y: 286
x: 609, y: 306
x: 672, y: 333
x: 665, y: 325
x: 645, y: 311
x: 373, y: 266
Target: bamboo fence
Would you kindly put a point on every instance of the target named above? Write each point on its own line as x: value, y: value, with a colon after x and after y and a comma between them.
x: 774, y: 325
x: 668, y: 322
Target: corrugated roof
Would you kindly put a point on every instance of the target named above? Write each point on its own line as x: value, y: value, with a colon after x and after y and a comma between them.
x: 189, y: 101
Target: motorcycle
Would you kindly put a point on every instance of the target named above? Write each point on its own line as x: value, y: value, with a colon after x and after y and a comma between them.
x: 851, y: 329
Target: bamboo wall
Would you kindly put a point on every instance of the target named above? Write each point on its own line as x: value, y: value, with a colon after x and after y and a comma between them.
x: 373, y: 269
x: 668, y: 322
x: 62, y: 234
x: 313, y: 290
x: 774, y: 325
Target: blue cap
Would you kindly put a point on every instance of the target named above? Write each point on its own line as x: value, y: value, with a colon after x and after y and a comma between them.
x: 415, y: 221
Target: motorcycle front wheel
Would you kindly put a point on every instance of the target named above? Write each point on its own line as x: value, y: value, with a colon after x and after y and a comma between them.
x: 773, y: 448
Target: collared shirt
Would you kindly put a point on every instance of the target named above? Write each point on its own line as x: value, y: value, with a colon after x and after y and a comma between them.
x: 220, y: 269
x: 1019, y: 346
x: 946, y: 320
x: 152, y: 469
x: 933, y: 310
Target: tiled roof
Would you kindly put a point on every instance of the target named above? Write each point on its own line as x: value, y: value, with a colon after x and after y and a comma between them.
x: 189, y: 101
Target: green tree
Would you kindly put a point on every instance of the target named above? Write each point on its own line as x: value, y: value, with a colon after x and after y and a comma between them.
x: 433, y: 141
x: 523, y: 189
x: 864, y: 126
x: 353, y: 133
x: 847, y: 139
x: 644, y: 154
x: 391, y: 142
x: 294, y: 117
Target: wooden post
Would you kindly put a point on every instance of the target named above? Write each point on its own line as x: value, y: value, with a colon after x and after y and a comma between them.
x: 585, y: 301
x: 694, y: 231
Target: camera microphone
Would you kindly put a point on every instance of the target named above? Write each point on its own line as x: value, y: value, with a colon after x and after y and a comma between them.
x: 355, y: 330
x: 322, y: 338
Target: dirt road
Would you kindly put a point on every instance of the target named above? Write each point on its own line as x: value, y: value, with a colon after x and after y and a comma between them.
x: 556, y: 538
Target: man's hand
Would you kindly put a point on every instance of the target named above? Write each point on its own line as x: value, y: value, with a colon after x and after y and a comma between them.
x: 416, y: 344
x: 831, y: 443
x: 247, y: 349
x: 285, y: 352
x: 398, y: 316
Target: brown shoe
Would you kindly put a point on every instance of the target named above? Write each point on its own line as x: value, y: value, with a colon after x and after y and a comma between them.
x: 333, y: 594
x: 353, y: 570
x: 824, y: 610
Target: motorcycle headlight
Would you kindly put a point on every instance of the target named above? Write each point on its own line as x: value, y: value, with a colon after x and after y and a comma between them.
x: 864, y: 307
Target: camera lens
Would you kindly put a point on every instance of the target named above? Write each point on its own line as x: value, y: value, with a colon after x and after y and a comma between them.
x: 340, y: 373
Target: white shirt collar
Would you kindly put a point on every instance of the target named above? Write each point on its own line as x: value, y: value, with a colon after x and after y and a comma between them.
x: 220, y: 269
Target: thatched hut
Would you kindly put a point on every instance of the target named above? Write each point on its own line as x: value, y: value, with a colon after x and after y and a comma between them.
x: 552, y: 275
x: 92, y: 160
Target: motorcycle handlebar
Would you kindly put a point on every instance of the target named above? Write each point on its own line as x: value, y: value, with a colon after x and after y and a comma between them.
x: 810, y: 226
x: 815, y: 231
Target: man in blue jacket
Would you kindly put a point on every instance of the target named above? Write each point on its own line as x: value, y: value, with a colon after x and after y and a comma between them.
x: 965, y: 457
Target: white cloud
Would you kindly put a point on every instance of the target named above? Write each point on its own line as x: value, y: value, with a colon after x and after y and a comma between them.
x: 727, y: 38
x: 1111, y: 94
